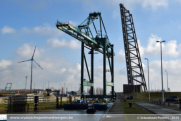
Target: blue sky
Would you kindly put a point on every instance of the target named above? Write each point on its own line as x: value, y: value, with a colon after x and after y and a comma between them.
x: 30, y: 23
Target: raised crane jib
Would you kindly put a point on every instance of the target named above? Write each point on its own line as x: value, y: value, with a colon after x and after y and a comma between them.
x: 84, y: 34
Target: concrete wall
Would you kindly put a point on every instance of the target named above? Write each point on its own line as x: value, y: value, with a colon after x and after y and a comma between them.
x: 42, y: 98
x: 3, y: 100
x: 131, y: 88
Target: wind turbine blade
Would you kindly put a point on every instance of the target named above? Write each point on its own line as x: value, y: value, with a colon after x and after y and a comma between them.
x: 34, y: 52
x: 38, y: 64
x: 24, y: 61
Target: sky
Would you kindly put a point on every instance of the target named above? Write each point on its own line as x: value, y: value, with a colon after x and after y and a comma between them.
x: 28, y: 23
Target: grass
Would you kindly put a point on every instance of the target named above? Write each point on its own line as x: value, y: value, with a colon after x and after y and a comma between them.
x: 144, y: 96
x: 155, y: 95
x: 3, y: 105
x: 134, y: 110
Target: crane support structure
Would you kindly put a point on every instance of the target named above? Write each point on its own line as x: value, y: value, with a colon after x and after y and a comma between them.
x: 132, y: 55
x: 99, y: 42
x: 8, y: 87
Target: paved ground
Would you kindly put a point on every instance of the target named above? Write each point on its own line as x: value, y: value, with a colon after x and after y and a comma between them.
x: 112, y: 114
x: 173, y: 114
x: 160, y: 112
x: 116, y: 108
x: 157, y: 109
x: 173, y: 105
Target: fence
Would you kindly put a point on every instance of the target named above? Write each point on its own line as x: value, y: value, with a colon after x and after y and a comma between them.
x: 169, y: 103
x: 22, y: 103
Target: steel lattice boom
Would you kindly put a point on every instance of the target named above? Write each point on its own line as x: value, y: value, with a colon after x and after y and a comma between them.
x: 132, y: 54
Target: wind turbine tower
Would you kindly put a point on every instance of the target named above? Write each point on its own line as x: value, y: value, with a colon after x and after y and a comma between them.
x: 32, y: 59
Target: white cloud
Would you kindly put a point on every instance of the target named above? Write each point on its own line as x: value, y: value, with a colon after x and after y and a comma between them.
x: 56, y: 69
x: 7, y: 30
x: 173, y: 68
x: 26, y: 51
x: 5, y: 63
x: 120, y: 57
x: 54, y: 42
x: 169, y: 48
x: 78, y: 66
x: 44, y: 30
x: 154, y: 3
x: 72, y: 23
x: 73, y: 44
x: 59, y: 71
x: 121, y: 52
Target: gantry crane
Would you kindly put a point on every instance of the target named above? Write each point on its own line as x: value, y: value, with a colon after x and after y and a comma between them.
x: 98, y: 42
x: 8, y: 87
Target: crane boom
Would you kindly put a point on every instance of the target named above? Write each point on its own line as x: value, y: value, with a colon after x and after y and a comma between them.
x: 132, y: 55
x: 76, y: 32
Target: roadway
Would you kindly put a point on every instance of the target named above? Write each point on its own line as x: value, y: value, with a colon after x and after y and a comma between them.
x: 116, y: 109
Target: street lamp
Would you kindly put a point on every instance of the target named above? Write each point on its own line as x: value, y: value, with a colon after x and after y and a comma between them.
x: 148, y: 77
x: 167, y: 80
x: 26, y: 82
x: 161, y: 68
x: 48, y: 84
x: 64, y: 88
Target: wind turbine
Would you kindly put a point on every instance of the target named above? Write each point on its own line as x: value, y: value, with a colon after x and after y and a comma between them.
x: 32, y: 67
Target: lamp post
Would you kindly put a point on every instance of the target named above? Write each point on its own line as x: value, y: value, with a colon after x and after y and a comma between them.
x: 136, y: 88
x: 148, y: 77
x: 161, y: 68
x: 48, y: 84
x: 26, y: 82
x: 167, y: 80
x: 64, y: 88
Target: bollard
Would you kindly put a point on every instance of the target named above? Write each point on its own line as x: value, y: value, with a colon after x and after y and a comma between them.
x: 9, y: 105
x: 35, y: 102
x: 61, y: 99
x: 70, y: 99
x: 130, y: 104
x: 168, y: 103
x: 57, y: 102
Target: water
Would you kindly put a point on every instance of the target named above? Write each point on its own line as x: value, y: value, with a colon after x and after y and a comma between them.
x: 59, y: 114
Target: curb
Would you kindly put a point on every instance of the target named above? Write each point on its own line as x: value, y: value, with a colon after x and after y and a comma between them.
x: 107, y: 111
